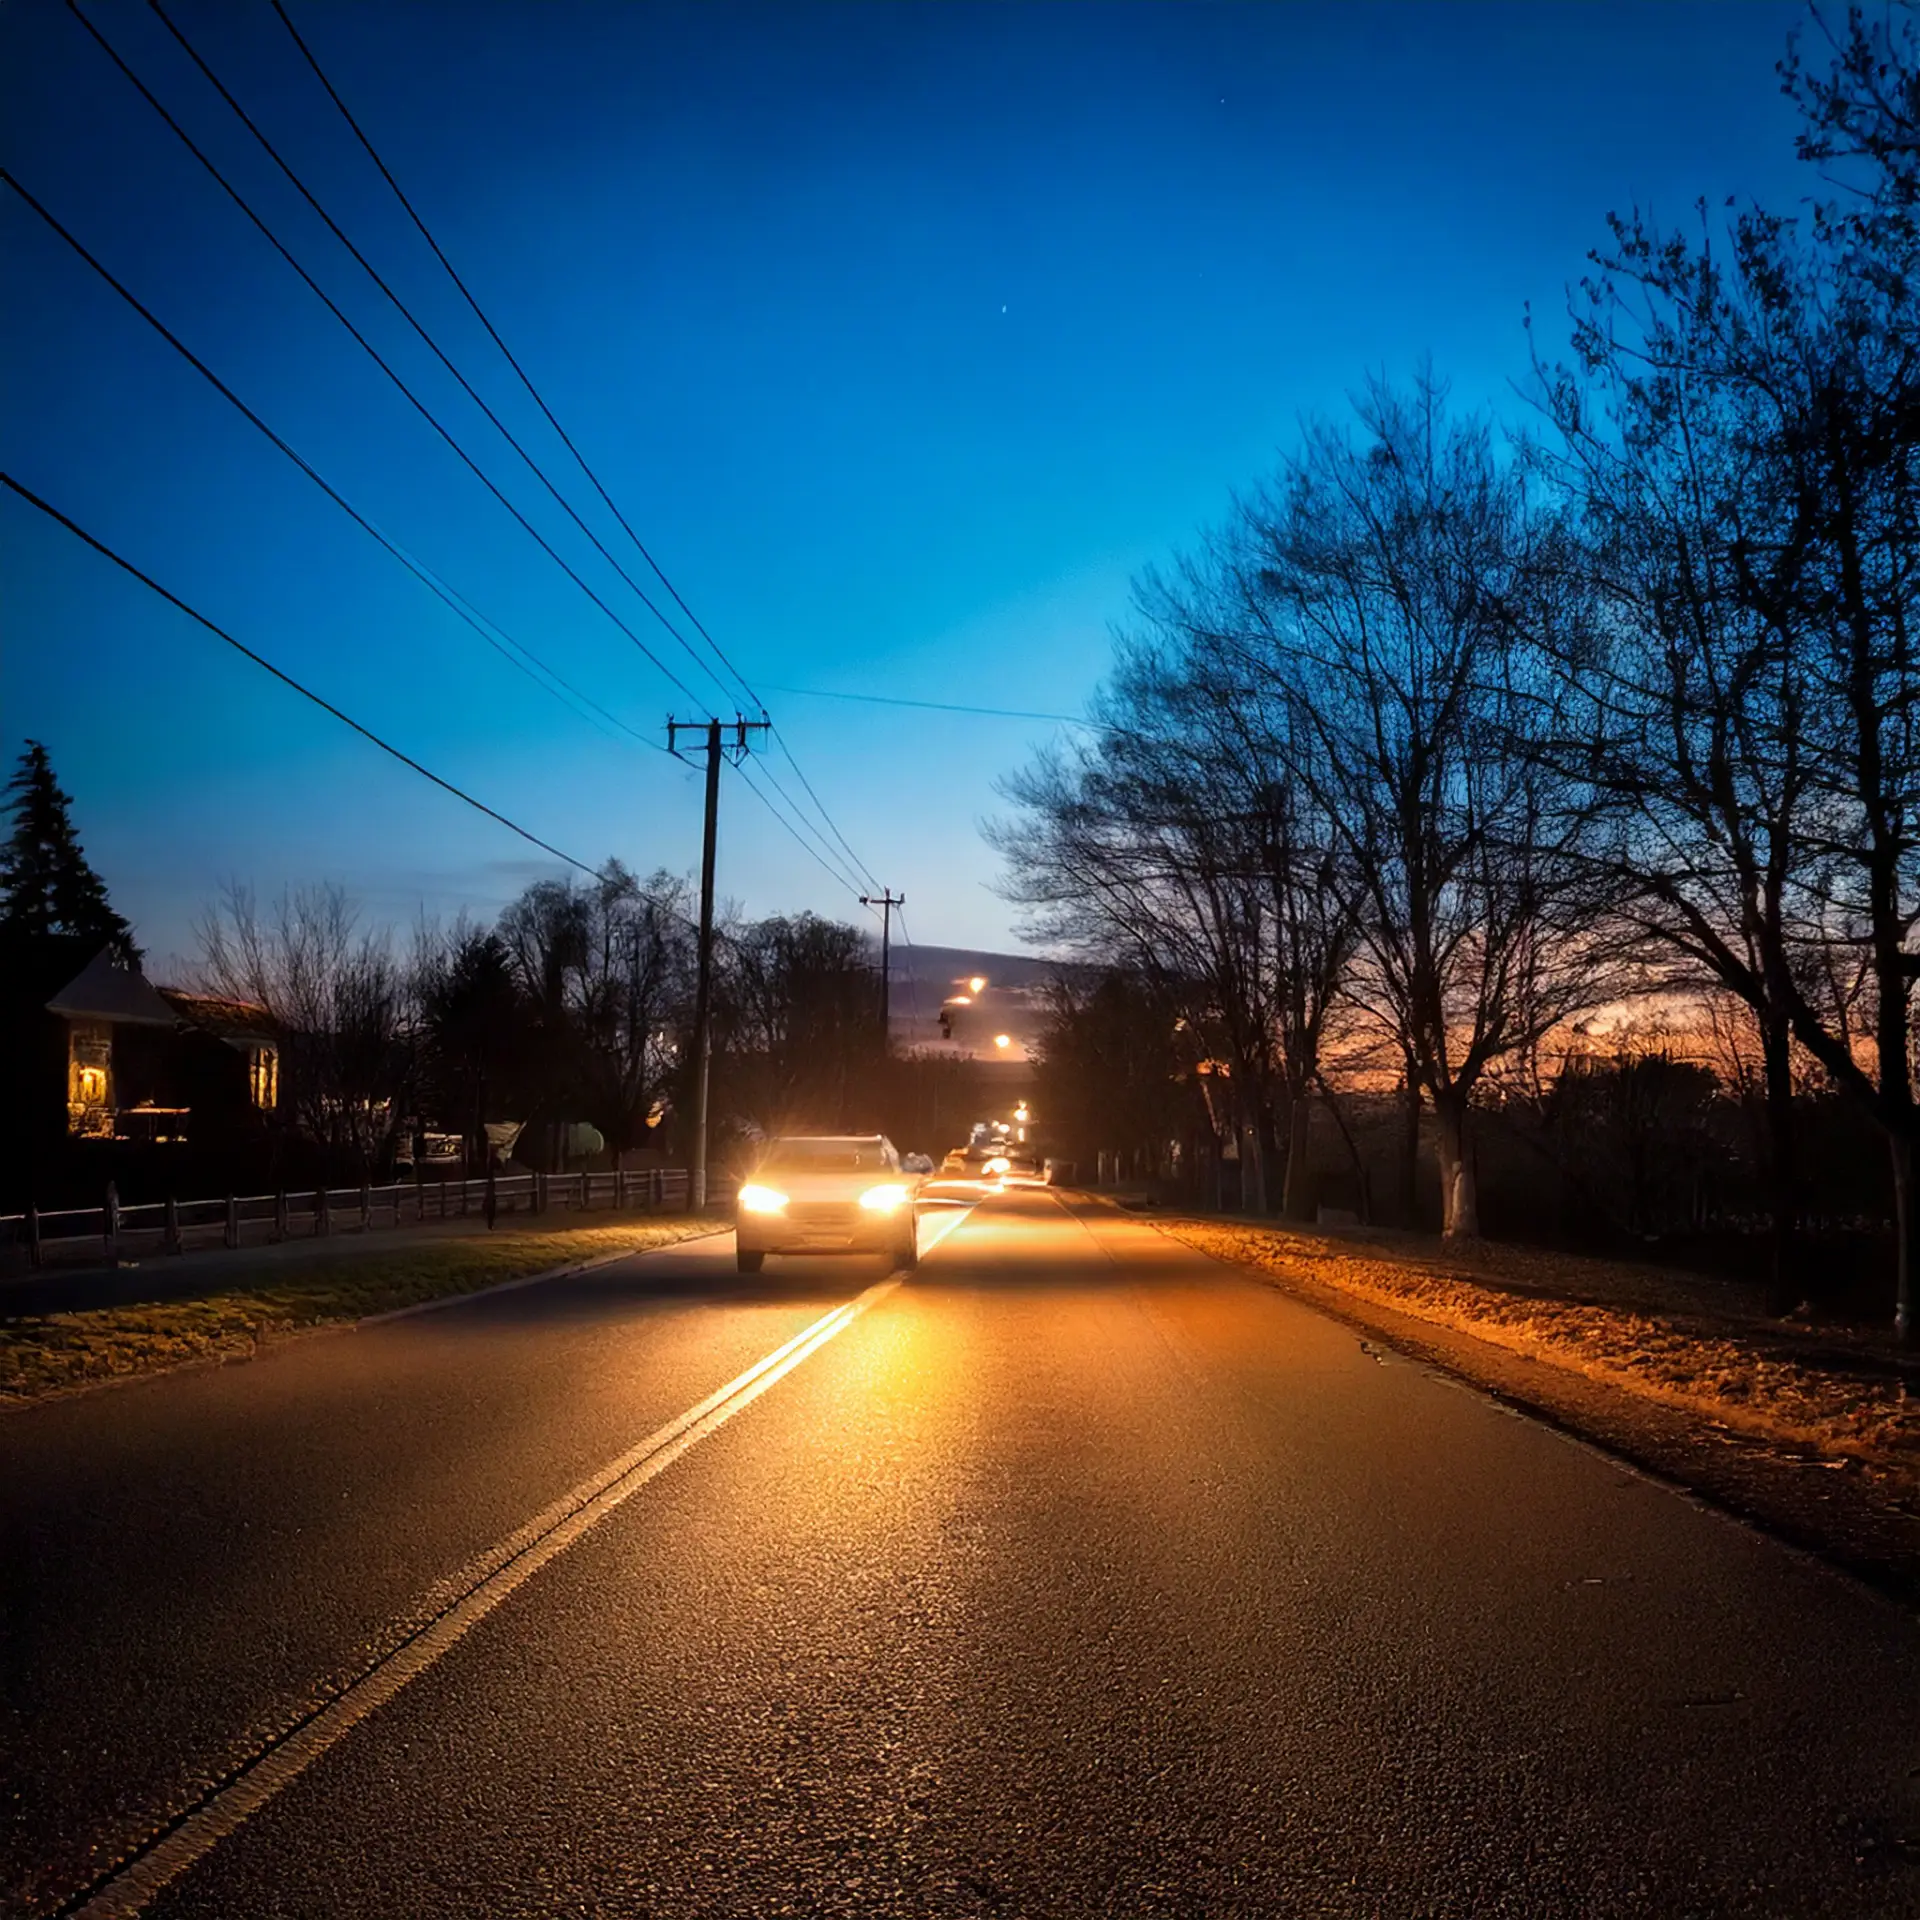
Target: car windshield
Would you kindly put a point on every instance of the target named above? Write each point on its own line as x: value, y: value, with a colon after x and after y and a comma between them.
x: 824, y: 1156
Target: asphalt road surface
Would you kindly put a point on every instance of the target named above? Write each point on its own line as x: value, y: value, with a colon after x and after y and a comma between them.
x: 1074, y: 1574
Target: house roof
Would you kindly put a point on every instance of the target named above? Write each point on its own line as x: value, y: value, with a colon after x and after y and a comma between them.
x: 104, y: 990
x: 237, y: 1020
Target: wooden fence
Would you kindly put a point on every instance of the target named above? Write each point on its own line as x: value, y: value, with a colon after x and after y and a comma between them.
x: 111, y: 1231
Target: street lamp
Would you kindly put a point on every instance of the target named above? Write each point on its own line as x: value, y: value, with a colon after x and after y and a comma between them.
x: 1003, y: 1040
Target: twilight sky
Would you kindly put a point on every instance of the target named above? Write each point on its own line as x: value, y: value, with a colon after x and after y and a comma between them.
x: 903, y: 335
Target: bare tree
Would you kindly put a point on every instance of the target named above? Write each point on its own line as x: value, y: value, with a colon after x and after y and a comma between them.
x: 606, y: 967
x: 1687, y: 696
x: 339, y: 999
x: 1108, y: 1070
x: 1175, y: 846
x: 1393, y: 588
x: 1756, y: 458
x: 799, y: 1048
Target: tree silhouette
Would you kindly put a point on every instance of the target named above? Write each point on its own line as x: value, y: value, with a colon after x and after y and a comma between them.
x: 47, y: 886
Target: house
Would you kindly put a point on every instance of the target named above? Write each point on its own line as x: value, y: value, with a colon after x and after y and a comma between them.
x: 228, y: 1057
x: 82, y: 1037
x: 117, y: 1030
x: 103, y: 1076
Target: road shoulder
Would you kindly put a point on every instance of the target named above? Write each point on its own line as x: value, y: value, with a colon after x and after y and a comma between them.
x: 1841, y: 1507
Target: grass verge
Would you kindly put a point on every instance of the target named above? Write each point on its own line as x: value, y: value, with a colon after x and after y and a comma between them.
x: 1598, y: 1319
x: 48, y: 1354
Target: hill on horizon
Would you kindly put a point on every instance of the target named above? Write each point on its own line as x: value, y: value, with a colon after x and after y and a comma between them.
x: 927, y: 980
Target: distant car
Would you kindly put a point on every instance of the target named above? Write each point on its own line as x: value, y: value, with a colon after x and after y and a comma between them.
x: 828, y: 1193
x: 916, y: 1163
x: 986, y: 1161
x: 955, y: 1162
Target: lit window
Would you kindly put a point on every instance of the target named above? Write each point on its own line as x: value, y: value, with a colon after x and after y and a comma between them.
x: 87, y: 1084
x: 263, y: 1076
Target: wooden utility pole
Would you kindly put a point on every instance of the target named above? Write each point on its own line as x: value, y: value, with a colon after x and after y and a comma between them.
x: 735, y: 749
x: 887, y: 901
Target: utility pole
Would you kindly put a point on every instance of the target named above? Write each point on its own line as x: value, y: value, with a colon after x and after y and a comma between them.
x: 887, y: 901
x: 735, y: 749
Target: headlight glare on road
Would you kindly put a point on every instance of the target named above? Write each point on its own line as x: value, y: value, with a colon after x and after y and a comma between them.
x: 884, y: 1199
x: 756, y: 1199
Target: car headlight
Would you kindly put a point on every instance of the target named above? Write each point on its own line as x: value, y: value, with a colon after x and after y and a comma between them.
x: 885, y: 1198
x: 999, y: 1165
x: 755, y: 1199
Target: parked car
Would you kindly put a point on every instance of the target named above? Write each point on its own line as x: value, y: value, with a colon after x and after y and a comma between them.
x: 838, y: 1193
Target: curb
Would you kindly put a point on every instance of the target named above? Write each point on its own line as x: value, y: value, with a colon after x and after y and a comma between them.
x: 530, y: 1280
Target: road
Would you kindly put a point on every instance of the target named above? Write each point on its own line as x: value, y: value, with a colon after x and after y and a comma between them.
x: 1074, y: 1574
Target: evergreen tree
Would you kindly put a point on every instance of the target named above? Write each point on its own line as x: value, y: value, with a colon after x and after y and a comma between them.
x: 46, y: 884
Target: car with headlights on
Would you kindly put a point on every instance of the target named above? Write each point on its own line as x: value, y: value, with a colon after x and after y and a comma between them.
x: 828, y: 1193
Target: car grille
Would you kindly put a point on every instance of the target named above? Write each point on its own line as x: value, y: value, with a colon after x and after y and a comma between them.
x: 830, y: 1216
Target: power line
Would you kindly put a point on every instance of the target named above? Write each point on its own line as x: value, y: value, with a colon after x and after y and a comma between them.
x: 478, y: 621
x: 372, y: 352
x: 860, y: 865
x: 839, y: 879
x: 526, y: 381
x: 453, y: 599
x: 432, y: 420
x: 507, y: 353
x: 949, y: 706
x: 826, y: 847
x: 433, y: 346
x: 287, y: 679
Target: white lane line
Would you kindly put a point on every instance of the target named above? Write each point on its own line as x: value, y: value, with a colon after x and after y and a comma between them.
x: 944, y: 1225
x: 448, y: 1592
x: 518, y: 1559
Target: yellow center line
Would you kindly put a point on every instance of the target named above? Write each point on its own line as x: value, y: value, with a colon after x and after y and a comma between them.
x: 515, y: 1560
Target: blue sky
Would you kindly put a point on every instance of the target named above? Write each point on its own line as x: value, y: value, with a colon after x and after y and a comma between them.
x: 904, y: 336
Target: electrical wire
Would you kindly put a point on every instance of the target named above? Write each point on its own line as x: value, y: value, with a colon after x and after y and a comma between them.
x: 460, y: 452
x: 846, y: 873
x: 816, y: 842
x: 446, y: 593
x: 526, y: 380
x: 306, y: 693
x: 860, y: 866
x: 373, y: 353
x: 432, y: 345
x: 839, y: 879
x: 459, y: 604
x: 949, y: 706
